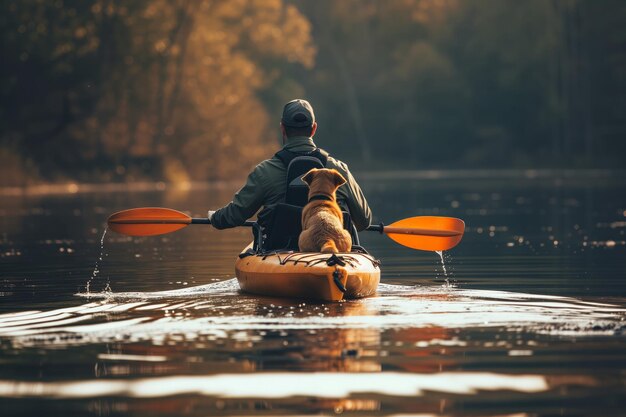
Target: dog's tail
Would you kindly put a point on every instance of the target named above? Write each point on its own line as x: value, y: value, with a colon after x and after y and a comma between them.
x: 340, y: 278
x: 329, y: 247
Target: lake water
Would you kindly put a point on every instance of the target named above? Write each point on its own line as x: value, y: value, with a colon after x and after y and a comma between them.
x: 528, y: 320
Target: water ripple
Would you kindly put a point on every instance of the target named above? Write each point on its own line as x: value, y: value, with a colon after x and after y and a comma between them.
x: 216, y: 310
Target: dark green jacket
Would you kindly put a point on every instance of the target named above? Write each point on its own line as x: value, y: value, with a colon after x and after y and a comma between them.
x: 267, y: 183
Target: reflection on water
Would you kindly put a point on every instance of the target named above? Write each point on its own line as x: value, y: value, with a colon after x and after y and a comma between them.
x: 405, y: 342
x: 284, y: 385
x: 531, y: 322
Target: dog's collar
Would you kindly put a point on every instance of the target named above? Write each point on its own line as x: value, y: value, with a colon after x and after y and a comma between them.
x: 320, y: 197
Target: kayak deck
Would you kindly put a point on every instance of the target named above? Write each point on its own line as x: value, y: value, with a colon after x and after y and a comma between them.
x: 304, y: 275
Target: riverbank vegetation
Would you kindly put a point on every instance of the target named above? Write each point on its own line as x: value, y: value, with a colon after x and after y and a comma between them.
x: 183, y: 90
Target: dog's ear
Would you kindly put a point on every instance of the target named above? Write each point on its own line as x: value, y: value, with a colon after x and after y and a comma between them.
x: 339, y: 179
x: 308, y: 177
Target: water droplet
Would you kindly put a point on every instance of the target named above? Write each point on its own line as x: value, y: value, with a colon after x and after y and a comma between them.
x: 443, y: 265
x: 96, y: 270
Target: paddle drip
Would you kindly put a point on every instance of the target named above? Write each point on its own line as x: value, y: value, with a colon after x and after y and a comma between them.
x: 96, y: 269
x: 443, y: 265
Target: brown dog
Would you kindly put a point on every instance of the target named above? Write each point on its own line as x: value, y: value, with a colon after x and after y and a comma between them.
x: 322, y: 221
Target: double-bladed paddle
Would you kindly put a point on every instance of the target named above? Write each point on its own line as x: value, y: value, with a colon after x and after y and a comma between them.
x: 431, y: 233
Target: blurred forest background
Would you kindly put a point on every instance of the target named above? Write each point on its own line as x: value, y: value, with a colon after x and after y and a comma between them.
x: 182, y: 90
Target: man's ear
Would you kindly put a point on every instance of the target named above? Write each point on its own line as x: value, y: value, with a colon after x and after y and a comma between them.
x: 308, y: 177
x: 339, y: 179
x: 283, y: 133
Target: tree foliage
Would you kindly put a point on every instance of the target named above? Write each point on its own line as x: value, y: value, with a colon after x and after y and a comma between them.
x: 472, y: 84
x: 163, y: 88
x: 184, y: 90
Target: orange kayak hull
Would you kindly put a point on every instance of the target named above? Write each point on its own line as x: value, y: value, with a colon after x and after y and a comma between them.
x: 302, y: 275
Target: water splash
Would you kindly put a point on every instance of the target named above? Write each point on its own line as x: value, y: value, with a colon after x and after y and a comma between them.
x: 96, y: 269
x: 443, y: 265
x: 227, y: 287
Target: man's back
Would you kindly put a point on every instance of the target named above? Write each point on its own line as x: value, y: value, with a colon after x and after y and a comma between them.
x: 267, y: 184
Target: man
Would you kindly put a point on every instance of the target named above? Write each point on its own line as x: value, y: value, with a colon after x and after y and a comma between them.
x: 267, y: 184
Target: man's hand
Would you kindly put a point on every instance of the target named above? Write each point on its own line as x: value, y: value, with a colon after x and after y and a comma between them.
x: 210, y: 215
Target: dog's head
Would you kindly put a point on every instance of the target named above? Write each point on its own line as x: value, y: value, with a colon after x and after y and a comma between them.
x: 323, y: 181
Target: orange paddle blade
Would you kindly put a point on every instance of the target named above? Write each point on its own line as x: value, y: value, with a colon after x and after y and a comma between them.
x: 427, y: 232
x: 148, y: 221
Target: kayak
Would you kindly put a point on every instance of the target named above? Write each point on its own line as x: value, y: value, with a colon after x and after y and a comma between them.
x: 308, y: 275
x: 299, y: 275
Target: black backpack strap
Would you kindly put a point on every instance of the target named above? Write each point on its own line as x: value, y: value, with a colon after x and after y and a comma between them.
x: 320, y: 154
x: 286, y: 156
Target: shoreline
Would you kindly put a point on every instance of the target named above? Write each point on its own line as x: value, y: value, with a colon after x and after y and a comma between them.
x: 560, y: 176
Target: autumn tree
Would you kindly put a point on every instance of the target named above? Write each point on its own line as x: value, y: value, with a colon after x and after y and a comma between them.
x: 166, y: 89
x: 186, y: 90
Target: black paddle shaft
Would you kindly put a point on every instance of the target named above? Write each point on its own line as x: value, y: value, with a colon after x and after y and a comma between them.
x: 204, y: 220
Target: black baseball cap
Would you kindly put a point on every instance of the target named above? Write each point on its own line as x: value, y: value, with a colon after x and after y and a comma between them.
x: 298, y: 113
